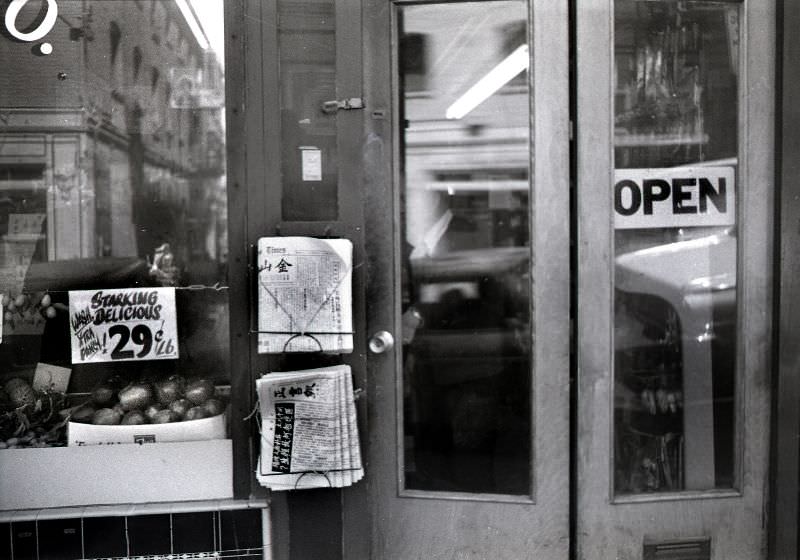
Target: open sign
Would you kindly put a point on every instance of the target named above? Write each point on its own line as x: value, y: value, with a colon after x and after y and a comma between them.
x: 674, y: 197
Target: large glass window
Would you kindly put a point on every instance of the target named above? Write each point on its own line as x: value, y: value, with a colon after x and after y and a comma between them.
x: 466, y: 247
x: 112, y: 175
x: 676, y: 112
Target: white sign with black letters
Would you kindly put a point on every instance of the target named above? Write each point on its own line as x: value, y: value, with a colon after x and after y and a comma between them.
x: 30, y: 35
x: 674, y: 197
x: 123, y: 325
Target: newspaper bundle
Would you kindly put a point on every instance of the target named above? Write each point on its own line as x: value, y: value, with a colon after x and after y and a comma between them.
x: 309, y: 435
x: 305, y: 295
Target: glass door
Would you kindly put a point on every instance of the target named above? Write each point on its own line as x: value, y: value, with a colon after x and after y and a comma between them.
x: 468, y: 228
x: 475, y: 238
x: 675, y: 123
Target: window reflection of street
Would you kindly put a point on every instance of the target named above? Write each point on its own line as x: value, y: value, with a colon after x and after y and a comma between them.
x: 112, y: 175
x: 466, y: 266
x: 676, y: 71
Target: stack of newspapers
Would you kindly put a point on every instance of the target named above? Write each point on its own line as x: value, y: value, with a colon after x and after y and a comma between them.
x: 309, y: 435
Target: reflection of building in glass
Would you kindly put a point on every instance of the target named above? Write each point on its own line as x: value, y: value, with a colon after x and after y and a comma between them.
x: 475, y: 165
x: 115, y: 140
x: 466, y: 228
x: 676, y: 111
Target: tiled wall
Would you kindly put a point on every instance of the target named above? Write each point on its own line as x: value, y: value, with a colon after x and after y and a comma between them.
x: 177, y: 536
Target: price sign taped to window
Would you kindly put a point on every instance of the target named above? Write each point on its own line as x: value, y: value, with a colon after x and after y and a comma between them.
x: 123, y: 325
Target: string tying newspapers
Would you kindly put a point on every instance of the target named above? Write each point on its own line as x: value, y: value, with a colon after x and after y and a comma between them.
x: 309, y: 434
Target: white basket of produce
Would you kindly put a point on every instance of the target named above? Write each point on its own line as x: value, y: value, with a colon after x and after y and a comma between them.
x: 167, y: 411
x: 187, y: 430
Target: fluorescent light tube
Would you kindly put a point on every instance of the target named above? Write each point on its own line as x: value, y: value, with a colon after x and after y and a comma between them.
x: 194, y: 25
x: 484, y: 88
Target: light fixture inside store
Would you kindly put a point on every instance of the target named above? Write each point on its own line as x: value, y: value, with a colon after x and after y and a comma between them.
x: 194, y: 25
x: 484, y: 88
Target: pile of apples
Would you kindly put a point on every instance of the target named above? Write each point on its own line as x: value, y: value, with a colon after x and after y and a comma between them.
x: 174, y: 399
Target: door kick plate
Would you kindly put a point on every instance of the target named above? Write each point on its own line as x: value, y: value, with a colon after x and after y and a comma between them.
x: 678, y: 549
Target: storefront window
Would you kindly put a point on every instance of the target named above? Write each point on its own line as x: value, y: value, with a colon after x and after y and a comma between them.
x: 112, y: 176
x: 675, y: 198
x: 466, y: 247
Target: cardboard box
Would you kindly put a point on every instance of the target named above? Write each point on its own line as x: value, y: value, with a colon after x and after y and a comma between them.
x: 115, y: 474
x: 190, y: 430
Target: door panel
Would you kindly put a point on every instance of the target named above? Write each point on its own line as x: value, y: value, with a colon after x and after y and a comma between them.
x: 673, y: 404
x: 469, y: 259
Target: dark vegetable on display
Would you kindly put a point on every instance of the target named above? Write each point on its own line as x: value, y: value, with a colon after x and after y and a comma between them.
x: 134, y: 417
x: 152, y: 410
x: 135, y: 395
x: 214, y: 407
x: 19, y: 392
x: 82, y: 413
x: 31, y: 418
x: 180, y: 407
x: 164, y: 417
x: 199, y: 390
x: 103, y: 394
x: 196, y: 413
x: 106, y: 417
x: 170, y: 390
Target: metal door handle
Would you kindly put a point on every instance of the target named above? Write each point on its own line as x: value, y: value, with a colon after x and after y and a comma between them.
x: 380, y: 342
x: 331, y: 107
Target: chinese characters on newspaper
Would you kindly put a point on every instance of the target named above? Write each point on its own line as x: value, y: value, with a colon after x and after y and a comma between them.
x: 309, y: 436
x: 304, y: 295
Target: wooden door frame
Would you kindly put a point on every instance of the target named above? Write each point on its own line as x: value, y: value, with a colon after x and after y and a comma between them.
x: 786, y: 382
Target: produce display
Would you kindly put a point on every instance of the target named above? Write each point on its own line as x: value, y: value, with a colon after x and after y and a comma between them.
x: 32, y: 418
x: 174, y: 399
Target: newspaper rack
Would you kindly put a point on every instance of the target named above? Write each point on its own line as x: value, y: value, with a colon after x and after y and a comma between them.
x: 295, y: 335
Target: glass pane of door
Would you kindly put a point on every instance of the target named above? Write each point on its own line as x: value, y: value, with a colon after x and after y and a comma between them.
x: 675, y: 196
x: 466, y: 247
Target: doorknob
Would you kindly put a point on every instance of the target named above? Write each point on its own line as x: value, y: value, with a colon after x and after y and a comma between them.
x: 331, y: 107
x: 380, y: 342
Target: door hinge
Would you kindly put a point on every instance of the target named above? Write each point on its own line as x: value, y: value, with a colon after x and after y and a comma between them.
x: 331, y: 107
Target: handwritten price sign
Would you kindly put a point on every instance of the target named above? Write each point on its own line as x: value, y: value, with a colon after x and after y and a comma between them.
x: 123, y: 325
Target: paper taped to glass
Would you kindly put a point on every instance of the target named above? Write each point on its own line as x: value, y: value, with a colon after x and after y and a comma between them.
x: 305, y: 295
